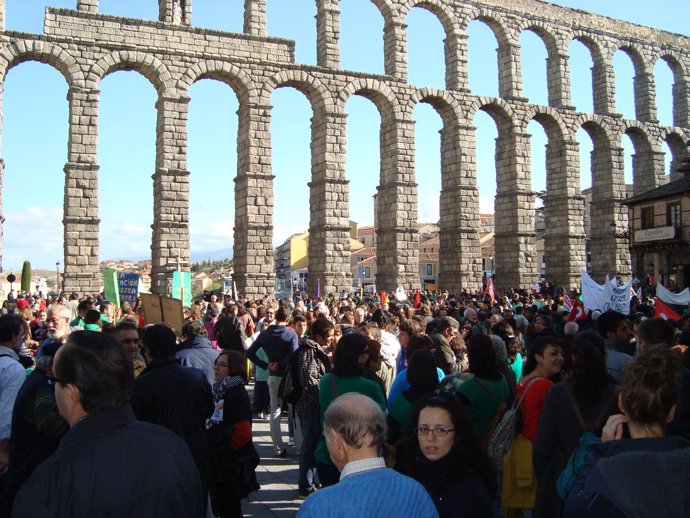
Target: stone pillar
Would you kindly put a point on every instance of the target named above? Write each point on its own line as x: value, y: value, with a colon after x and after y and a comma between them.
x: 609, y: 246
x: 603, y: 87
x: 329, y: 228
x: 460, y: 253
x: 681, y: 103
x: 395, y: 49
x: 87, y: 6
x: 170, y: 194
x: 455, y: 47
x: 648, y: 170
x: 645, y: 94
x: 509, y: 72
x: 516, y: 265
x: 178, y: 12
x: 564, y: 236
x: 255, y: 17
x: 253, y: 237
x: 558, y: 77
x: 327, y: 34
x: 397, y: 231
x: 80, y: 219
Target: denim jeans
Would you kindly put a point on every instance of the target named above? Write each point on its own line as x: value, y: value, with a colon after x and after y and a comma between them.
x: 276, y: 402
x: 310, y: 423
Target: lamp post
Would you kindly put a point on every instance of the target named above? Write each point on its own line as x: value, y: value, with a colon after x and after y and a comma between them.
x: 57, y: 277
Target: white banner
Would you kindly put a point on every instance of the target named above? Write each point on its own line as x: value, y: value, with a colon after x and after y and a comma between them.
x: 681, y: 299
x: 592, y: 292
x: 605, y: 296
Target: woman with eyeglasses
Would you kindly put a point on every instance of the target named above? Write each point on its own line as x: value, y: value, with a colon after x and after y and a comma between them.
x: 441, y: 451
x: 230, y: 437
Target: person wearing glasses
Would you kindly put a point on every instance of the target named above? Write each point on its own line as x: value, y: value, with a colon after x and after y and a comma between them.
x: 355, y: 429
x: 442, y: 452
x: 108, y: 463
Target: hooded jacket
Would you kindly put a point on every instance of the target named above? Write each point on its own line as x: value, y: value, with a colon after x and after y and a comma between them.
x: 279, y: 342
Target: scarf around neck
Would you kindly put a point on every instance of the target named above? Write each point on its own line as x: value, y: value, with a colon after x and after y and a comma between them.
x: 222, y: 386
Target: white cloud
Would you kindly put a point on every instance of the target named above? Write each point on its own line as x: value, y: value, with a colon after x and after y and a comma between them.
x: 216, y: 235
x: 35, y: 234
x: 429, y: 209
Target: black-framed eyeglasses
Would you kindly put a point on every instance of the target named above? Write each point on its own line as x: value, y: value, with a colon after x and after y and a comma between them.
x: 438, y: 432
x: 52, y: 379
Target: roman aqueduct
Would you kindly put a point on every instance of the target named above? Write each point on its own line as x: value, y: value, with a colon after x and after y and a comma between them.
x: 85, y: 46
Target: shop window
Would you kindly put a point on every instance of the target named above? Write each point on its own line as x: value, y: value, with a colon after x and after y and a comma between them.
x: 647, y: 217
x: 673, y: 215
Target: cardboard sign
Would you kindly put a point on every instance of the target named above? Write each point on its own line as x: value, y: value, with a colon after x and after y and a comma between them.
x: 159, y: 309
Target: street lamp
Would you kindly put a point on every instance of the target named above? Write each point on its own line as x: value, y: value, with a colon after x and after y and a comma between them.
x: 57, y: 277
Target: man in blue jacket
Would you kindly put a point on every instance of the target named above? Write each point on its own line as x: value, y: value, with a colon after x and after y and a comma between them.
x: 278, y: 342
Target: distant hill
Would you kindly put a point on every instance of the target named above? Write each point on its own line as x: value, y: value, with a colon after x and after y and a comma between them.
x: 197, y: 257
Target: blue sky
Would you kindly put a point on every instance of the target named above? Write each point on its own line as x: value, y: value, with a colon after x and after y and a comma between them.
x: 35, y: 111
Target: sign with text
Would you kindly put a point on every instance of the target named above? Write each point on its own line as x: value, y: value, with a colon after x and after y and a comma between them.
x: 128, y: 287
x: 182, y: 287
x: 655, y: 234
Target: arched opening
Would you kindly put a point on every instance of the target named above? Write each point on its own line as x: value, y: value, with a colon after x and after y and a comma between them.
x: 426, y: 61
x: 33, y: 183
x: 675, y: 152
x: 127, y: 160
x: 294, y: 20
x: 223, y: 16
x: 212, y: 159
x: 363, y: 172
x: 482, y: 59
x: 427, y: 162
x: 581, y: 64
x: 624, y: 71
x: 533, y: 58
x: 663, y: 83
x: 538, y: 142
x: 361, y: 37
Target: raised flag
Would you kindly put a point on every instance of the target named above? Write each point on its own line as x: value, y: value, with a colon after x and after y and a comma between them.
x: 417, y: 299
x: 490, y: 290
x: 318, y: 288
x: 578, y: 312
x: 663, y: 310
x: 567, y: 303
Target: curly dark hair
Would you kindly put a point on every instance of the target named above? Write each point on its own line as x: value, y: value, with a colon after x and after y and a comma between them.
x: 347, y: 352
x: 465, y: 456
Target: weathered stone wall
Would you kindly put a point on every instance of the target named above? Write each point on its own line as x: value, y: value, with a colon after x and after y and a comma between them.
x: 85, y: 46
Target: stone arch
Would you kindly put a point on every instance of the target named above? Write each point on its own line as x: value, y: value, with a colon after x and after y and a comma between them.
x: 436, y: 7
x: 43, y: 52
x: 544, y: 31
x: 148, y: 65
x: 230, y: 74
x: 677, y: 145
x: 497, y: 23
x: 386, y: 8
x: 315, y: 91
x: 499, y: 109
x: 602, y: 71
x: 440, y: 100
x: 378, y: 93
x: 681, y: 115
x: 551, y: 120
x: 635, y: 55
x: 646, y: 158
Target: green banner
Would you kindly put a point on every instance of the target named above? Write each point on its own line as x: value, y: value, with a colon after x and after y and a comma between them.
x: 182, y: 290
x: 112, y: 293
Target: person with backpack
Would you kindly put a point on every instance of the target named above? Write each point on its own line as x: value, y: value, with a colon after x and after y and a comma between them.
x: 542, y: 367
x: 310, y: 364
x: 574, y: 413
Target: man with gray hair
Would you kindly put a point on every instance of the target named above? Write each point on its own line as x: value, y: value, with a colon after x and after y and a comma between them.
x: 446, y: 330
x: 355, y: 429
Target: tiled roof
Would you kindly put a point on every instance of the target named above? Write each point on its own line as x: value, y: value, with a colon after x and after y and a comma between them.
x: 670, y: 189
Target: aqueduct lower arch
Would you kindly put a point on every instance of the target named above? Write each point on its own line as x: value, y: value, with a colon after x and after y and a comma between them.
x: 85, y: 45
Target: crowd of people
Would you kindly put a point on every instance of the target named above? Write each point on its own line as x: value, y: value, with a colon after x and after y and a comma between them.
x: 392, y: 408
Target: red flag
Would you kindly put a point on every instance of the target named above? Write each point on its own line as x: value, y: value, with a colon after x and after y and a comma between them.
x: 663, y: 310
x: 578, y: 312
x: 384, y: 297
x: 417, y: 299
x: 490, y: 290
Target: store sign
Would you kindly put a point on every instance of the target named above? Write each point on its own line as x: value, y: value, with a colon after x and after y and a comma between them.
x: 655, y: 234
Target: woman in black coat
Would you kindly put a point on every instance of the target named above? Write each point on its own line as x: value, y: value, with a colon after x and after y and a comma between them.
x: 233, y: 456
x: 442, y: 452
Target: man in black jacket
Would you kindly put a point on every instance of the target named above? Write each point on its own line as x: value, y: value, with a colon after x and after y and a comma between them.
x: 170, y: 395
x: 108, y: 464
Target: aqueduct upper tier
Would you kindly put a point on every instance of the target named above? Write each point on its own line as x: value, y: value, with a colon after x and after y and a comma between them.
x: 86, y: 45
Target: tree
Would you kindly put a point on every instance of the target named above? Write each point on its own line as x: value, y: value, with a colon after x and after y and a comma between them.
x: 26, y: 276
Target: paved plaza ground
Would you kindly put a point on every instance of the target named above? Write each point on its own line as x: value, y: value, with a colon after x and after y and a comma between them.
x: 277, y: 476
